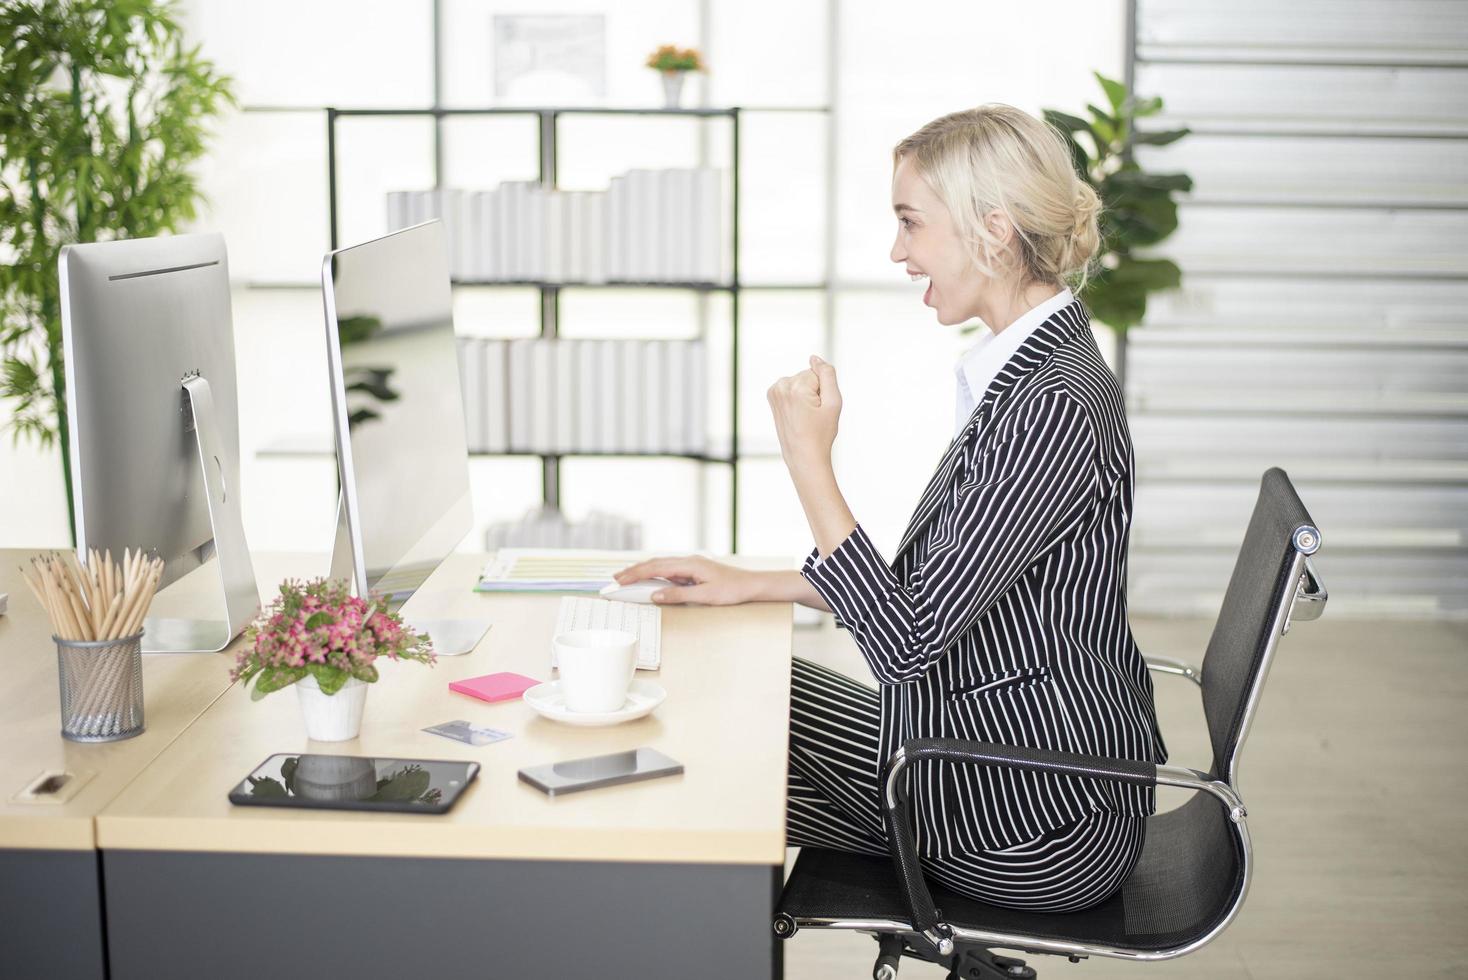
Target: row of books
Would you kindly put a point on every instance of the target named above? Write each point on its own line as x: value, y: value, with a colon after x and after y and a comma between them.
x: 553, y: 396
x: 647, y: 226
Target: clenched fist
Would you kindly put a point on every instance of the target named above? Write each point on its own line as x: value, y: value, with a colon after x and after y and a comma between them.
x: 807, y: 410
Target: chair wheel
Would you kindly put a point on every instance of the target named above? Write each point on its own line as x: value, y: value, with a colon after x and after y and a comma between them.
x: 889, y: 958
x: 1014, y: 968
x: 980, y: 964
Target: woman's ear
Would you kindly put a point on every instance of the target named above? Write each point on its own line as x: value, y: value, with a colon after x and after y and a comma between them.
x: 997, y: 223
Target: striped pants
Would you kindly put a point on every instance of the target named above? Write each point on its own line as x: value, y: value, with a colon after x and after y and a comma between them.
x: 834, y: 802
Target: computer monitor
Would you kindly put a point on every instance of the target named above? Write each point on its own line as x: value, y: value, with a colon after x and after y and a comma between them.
x: 401, y: 452
x: 153, y: 418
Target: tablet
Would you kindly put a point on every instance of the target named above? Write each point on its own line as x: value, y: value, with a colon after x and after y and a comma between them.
x: 349, y: 782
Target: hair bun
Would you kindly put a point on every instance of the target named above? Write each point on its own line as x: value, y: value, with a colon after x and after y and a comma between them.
x: 1087, y: 203
x: 1085, y: 232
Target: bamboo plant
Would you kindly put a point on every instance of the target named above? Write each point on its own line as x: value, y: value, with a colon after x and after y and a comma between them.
x: 103, y: 111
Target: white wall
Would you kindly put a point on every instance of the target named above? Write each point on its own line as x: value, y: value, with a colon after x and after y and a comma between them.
x: 899, y: 66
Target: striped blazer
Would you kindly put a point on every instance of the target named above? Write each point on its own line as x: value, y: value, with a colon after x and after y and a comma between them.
x: 1004, y: 616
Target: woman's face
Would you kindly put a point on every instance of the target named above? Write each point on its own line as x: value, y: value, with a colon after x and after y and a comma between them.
x: 928, y: 245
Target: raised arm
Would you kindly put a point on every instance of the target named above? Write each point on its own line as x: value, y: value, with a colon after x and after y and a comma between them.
x: 1019, y: 499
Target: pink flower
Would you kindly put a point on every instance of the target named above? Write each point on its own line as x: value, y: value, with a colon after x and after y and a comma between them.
x: 349, y: 633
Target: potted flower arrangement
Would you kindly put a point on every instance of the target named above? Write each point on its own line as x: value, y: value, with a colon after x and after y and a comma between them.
x: 324, y: 640
x: 674, y: 63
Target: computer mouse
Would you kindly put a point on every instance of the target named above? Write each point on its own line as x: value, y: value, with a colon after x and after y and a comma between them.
x: 634, y: 591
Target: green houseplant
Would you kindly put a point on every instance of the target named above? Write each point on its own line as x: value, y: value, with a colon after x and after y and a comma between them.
x: 102, y: 113
x: 1138, y: 208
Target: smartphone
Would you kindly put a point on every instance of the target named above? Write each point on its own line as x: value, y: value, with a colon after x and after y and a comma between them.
x: 601, y: 770
x: 347, y: 782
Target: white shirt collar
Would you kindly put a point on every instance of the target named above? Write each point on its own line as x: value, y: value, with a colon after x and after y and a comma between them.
x: 981, y: 363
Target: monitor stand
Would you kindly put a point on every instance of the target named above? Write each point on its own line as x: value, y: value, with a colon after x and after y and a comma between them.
x: 450, y: 637
x: 236, y: 571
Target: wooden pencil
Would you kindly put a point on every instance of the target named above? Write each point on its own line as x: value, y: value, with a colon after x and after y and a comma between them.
x: 73, y: 596
x: 150, y: 582
x: 109, y: 619
x: 66, y: 627
x: 143, y: 597
x: 110, y: 573
x: 92, y: 583
x: 39, y: 591
x: 94, y: 596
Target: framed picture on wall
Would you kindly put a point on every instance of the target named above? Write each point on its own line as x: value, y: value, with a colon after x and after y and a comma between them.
x: 550, y: 59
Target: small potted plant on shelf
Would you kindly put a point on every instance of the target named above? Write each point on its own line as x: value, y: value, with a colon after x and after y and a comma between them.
x: 324, y: 640
x: 674, y: 63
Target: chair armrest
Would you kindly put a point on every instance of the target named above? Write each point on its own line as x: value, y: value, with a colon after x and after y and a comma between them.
x: 1170, y: 665
x: 1014, y: 757
x: 923, y: 915
x: 1308, y: 602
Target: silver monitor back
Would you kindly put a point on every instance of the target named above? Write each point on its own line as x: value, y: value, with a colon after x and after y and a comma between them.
x: 153, y: 415
x: 399, y: 416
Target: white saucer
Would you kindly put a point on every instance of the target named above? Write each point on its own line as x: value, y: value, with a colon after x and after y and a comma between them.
x: 549, y: 702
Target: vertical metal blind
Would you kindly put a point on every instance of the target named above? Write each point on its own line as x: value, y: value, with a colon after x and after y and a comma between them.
x: 1322, y: 322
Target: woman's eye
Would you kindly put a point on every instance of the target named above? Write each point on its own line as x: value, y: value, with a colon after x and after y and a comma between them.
x: 906, y: 223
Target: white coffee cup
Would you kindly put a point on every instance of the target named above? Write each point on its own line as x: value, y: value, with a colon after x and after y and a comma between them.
x: 596, y: 668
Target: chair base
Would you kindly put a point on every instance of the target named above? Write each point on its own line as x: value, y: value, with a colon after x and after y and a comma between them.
x: 968, y: 963
x: 982, y: 964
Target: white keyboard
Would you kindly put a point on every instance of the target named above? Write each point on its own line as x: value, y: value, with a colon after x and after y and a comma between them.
x: 585, y: 613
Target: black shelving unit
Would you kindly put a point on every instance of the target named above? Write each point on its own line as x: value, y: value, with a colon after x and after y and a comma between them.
x: 548, y: 119
x: 550, y: 292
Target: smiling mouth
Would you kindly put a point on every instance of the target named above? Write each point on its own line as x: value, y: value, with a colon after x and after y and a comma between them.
x: 916, y: 276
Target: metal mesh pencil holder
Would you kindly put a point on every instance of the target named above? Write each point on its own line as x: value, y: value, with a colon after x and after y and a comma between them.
x: 101, y: 688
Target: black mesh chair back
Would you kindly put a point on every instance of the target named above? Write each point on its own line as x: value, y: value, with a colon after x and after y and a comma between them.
x: 1254, y: 612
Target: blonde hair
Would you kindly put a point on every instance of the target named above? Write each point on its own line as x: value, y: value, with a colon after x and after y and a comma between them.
x: 997, y: 157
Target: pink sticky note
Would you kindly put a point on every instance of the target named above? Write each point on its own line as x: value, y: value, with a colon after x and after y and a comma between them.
x: 494, y: 687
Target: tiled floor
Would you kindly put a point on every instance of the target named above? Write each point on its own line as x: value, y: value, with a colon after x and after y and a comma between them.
x: 1357, y: 789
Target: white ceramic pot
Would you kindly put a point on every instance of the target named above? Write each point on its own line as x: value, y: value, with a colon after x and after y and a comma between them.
x: 331, y: 717
x: 672, y: 88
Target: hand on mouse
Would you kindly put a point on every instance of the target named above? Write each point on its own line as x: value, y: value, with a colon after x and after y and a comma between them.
x: 699, y: 580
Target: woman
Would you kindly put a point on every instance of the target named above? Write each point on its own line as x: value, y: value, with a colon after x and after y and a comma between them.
x: 1003, y: 617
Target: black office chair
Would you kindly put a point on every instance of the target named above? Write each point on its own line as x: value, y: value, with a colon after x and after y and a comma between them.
x: 1195, y: 866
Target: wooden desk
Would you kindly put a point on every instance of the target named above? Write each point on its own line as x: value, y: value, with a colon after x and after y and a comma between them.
x: 176, y: 690
x: 674, y: 877
x: 49, y: 888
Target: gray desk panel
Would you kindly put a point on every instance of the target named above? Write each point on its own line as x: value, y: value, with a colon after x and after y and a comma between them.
x: 50, y: 915
x: 188, y: 915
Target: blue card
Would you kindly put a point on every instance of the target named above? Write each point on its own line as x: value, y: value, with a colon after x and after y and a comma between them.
x: 461, y: 731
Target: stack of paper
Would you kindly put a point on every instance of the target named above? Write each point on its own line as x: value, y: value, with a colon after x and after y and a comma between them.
x: 553, y: 570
